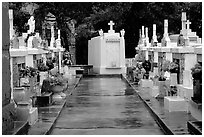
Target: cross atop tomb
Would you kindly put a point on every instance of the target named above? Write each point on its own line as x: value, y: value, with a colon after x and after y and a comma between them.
x: 188, y: 24
x: 111, y: 26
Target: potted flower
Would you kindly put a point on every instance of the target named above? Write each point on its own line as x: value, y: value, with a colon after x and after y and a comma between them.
x: 58, y: 85
x: 50, y: 64
x: 33, y: 72
x: 27, y: 75
x: 196, y: 72
x: 23, y: 76
x: 42, y: 67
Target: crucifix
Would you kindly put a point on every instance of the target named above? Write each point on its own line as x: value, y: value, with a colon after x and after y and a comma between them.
x: 111, y: 25
x: 188, y: 24
x: 165, y: 26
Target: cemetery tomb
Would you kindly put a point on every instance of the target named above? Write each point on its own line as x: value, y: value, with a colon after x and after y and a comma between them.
x: 107, y: 52
x: 175, y: 103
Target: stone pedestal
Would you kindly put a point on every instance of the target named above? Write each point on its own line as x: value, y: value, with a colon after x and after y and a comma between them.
x: 187, y: 78
x: 185, y: 92
x: 175, y: 103
x: 72, y: 70
x: 25, y: 113
x: 195, y: 110
x: 154, y: 91
x: 173, y: 79
x: 146, y: 83
x: 162, y: 89
x: 30, y: 42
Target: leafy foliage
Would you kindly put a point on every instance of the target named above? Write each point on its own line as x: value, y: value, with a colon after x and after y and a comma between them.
x: 92, y: 16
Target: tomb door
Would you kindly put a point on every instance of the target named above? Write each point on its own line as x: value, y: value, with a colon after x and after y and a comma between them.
x: 151, y: 59
x: 113, y: 53
x: 179, y: 59
x: 160, y: 61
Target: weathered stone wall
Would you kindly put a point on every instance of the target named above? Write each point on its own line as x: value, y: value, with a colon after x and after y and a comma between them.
x: 6, y: 90
x: 8, y: 112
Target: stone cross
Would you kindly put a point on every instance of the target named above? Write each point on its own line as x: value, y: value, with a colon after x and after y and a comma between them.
x: 111, y: 25
x: 154, y: 37
x: 58, y: 34
x: 154, y: 29
x: 165, y: 26
x: 140, y: 34
x: 143, y: 32
x: 188, y: 24
x: 183, y: 18
x: 146, y: 37
x: 31, y: 23
x: 146, y: 32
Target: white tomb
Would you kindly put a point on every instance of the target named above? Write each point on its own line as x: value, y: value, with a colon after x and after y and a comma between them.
x: 175, y: 103
x: 107, y: 52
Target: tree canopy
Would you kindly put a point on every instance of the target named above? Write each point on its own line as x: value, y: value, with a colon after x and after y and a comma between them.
x: 92, y: 16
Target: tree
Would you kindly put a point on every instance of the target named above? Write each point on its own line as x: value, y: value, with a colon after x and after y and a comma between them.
x: 131, y: 16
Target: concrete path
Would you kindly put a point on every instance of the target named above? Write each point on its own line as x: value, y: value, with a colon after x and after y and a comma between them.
x: 98, y: 106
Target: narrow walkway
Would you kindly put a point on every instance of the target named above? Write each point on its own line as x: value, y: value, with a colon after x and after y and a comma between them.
x: 47, y: 116
x: 98, y: 106
x: 175, y: 121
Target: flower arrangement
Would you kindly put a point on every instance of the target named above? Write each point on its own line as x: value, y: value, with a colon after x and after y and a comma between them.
x: 165, y: 65
x: 28, y: 71
x: 173, y: 67
x: 50, y: 64
x: 56, y: 79
x: 170, y: 66
x: 196, y: 72
x: 42, y: 67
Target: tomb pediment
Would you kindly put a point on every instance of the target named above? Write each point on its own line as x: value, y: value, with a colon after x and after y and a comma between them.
x: 112, y: 39
x: 107, y: 35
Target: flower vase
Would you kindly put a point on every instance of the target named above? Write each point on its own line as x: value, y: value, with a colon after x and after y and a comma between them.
x: 24, y: 81
x: 57, y: 88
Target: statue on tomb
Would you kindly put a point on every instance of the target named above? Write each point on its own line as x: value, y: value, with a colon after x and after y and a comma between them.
x: 100, y: 32
x: 180, y: 40
x: 31, y: 23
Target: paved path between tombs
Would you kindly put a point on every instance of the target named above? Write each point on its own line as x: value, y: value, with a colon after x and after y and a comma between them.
x: 175, y: 121
x: 47, y: 116
x: 98, y: 106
